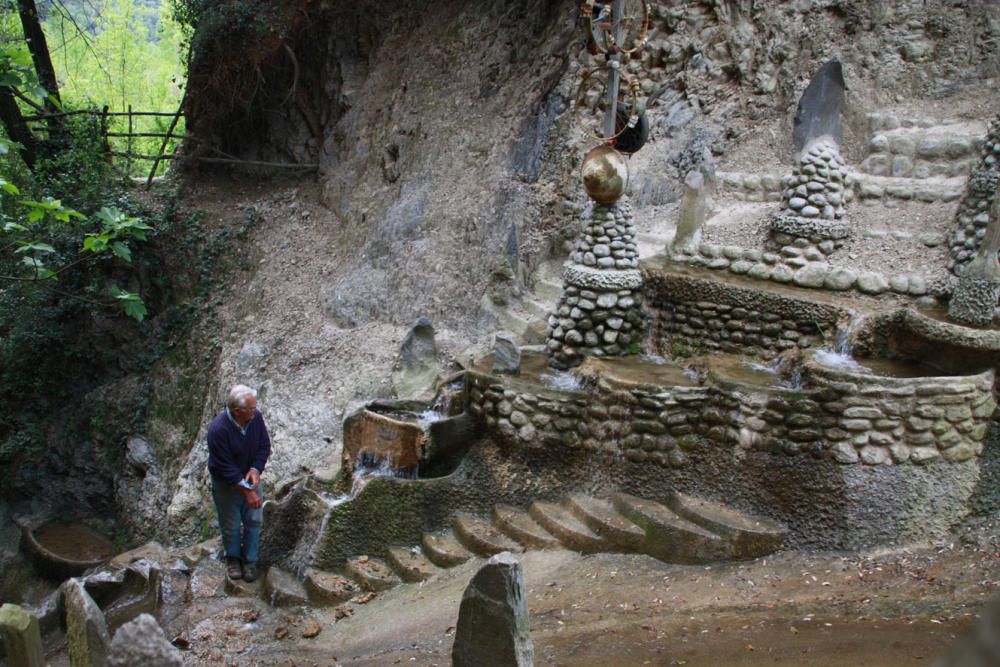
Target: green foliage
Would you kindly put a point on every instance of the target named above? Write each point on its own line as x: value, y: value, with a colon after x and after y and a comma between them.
x: 75, y: 166
x: 17, y: 71
x: 120, y: 53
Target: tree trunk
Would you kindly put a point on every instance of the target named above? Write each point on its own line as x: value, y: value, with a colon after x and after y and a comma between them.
x: 39, y: 47
x: 17, y: 129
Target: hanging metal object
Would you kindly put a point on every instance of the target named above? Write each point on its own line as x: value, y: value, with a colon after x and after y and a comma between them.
x: 592, y: 101
x: 634, y: 26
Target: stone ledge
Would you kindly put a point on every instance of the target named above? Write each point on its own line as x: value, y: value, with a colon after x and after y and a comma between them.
x: 602, y: 279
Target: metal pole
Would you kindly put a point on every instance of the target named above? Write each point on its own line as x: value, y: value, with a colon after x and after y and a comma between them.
x: 617, y: 7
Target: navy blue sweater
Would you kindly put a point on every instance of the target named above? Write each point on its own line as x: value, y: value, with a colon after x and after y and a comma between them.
x: 231, y: 454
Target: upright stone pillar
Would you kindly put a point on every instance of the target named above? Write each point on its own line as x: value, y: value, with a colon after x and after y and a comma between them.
x: 600, y: 308
x: 694, y: 209
x: 812, y: 205
x: 492, y: 626
x: 22, y: 639
x: 974, y: 209
x: 86, y: 628
x: 978, y: 292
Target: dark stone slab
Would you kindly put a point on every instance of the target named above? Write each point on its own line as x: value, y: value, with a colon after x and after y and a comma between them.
x: 492, y: 626
x: 818, y: 112
x: 506, y: 355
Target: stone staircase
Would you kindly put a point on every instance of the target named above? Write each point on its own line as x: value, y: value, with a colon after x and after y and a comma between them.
x: 526, y: 315
x: 909, y: 159
x: 683, y: 530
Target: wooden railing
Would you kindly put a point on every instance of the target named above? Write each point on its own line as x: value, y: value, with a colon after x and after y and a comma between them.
x: 129, y: 154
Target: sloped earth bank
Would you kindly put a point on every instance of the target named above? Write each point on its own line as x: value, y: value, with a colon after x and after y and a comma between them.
x: 273, y: 332
x: 901, y: 608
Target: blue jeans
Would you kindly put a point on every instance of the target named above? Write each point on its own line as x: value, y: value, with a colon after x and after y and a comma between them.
x: 234, y: 514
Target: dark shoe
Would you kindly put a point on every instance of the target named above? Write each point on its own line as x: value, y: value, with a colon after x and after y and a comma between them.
x: 233, y: 569
x: 250, y: 572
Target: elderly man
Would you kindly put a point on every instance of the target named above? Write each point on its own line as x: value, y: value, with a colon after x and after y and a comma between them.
x: 238, y: 449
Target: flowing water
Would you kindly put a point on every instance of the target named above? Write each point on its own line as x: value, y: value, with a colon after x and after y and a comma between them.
x: 365, y: 471
x: 564, y: 380
x: 841, y: 355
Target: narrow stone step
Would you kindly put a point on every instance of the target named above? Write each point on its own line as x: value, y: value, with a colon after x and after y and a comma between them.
x: 481, y: 537
x: 602, y: 518
x: 443, y: 549
x: 371, y: 574
x: 327, y: 588
x: 548, y: 290
x: 749, y: 537
x: 572, y: 532
x: 670, y: 537
x: 410, y: 564
x: 530, y: 331
x: 536, y: 309
x: 520, y: 526
x: 883, y: 188
x: 649, y: 245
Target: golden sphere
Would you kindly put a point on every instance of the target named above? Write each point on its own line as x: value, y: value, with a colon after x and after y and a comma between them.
x: 605, y: 174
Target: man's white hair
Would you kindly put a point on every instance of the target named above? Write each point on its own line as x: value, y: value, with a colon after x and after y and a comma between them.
x: 238, y: 396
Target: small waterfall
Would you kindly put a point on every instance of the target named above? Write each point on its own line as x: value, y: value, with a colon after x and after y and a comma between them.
x: 367, y: 469
x: 564, y: 380
x: 787, y: 370
x: 428, y: 417
x: 840, y: 355
x: 448, y: 400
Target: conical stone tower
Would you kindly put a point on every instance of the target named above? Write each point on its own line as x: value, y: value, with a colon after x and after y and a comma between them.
x: 600, y: 308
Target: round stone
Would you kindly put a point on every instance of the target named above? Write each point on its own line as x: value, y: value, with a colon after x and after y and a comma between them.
x: 900, y: 284
x: 809, y: 212
x: 759, y: 271
x: 812, y: 275
x: 782, y: 274
x: 840, y: 279
x: 872, y: 283
x: 796, y: 203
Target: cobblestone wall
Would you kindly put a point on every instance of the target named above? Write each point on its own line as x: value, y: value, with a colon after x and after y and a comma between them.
x: 692, y: 315
x: 879, y: 420
x: 848, y: 418
x: 973, y: 210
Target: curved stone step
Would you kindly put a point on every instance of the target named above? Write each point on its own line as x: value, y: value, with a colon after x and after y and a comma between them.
x: 670, y: 537
x: 328, y: 588
x: 601, y: 517
x: 481, y: 537
x: 410, y: 564
x: 443, y: 549
x: 572, y: 532
x: 548, y: 290
x: 749, y: 537
x: 371, y: 574
x: 521, y: 527
x: 536, y: 308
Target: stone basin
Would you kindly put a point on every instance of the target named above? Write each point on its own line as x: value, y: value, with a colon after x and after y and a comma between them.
x: 636, y: 371
x: 63, y: 550
x: 949, y: 347
x: 384, y: 433
x: 410, y: 439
